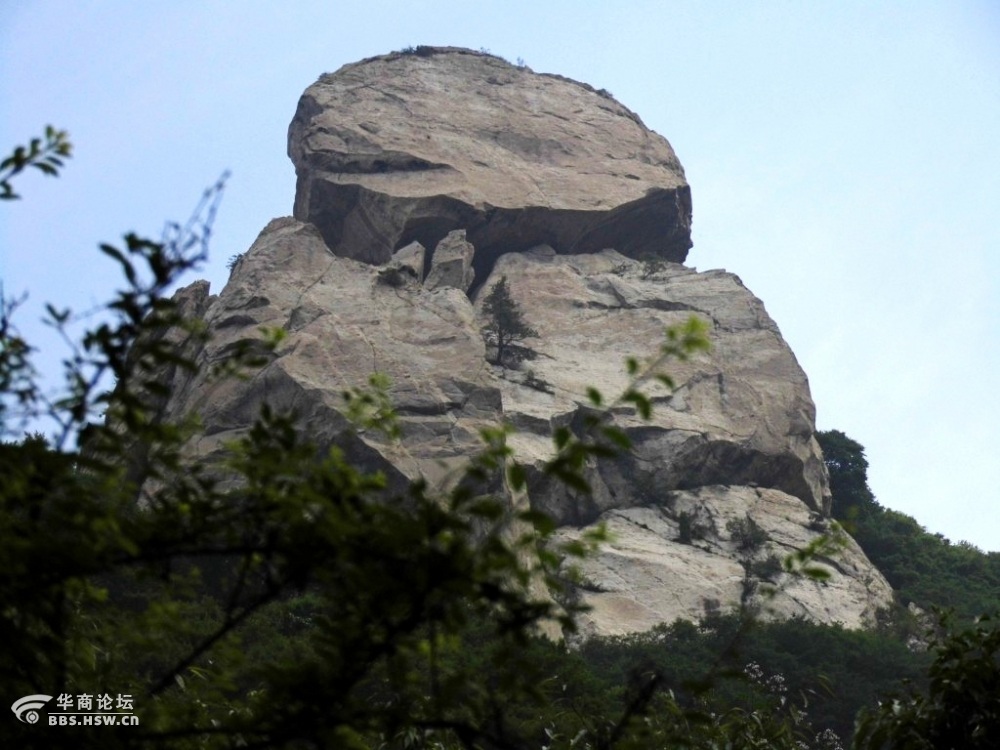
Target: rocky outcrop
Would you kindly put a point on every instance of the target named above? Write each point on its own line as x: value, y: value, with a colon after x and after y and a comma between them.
x: 742, y: 415
x: 451, y: 264
x: 411, y: 258
x: 677, y: 558
x: 408, y: 147
x: 734, y: 438
x: 345, y: 320
x: 421, y: 183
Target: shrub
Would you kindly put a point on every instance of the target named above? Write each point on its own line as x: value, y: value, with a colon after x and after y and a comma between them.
x: 421, y: 50
x: 691, y: 527
x: 747, y: 535
x: 767, y: 569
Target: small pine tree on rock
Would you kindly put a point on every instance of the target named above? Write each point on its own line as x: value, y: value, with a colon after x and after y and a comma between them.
x: 505, y: 326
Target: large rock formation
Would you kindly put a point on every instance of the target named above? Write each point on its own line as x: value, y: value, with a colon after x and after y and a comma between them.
x: 409, y: 147
x: 424, y: 178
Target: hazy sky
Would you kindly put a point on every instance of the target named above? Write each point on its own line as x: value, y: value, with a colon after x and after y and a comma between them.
x: 844, y: 159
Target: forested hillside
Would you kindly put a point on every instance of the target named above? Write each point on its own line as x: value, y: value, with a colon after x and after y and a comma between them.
x: 831, y: 672
x: 924, y: 568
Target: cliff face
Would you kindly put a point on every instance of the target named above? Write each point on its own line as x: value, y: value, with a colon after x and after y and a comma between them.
x: 424, y: 178
x: 408, y: 147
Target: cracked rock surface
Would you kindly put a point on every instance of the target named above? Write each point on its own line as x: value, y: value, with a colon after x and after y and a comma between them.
x: 734, y: 438
x: 649, y: 573
x: 740, y: 415
x: 425, y: 178
x: 408, y: 147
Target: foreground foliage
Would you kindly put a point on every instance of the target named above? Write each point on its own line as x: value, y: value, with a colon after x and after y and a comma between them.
x: 959, y: 709
x: 285, y: 598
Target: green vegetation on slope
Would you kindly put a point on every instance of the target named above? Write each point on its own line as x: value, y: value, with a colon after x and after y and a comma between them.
x: 829, y: 671
x: 926, y: 569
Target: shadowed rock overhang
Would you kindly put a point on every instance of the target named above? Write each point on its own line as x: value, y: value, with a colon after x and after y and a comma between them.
x: 408, y: 147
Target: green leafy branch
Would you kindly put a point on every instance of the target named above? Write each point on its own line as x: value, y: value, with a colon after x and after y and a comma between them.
x: 133, y: 346
x: 47, y: 155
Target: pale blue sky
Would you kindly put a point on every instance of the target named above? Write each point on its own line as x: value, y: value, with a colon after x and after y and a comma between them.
x: 844, y: 159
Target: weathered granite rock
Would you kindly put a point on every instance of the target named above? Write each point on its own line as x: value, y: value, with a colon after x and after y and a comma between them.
x: 344, y: 322
x: 408, y: 147
x: 735, y: 438
x: 411, y: 257
x: 499, y: 171
x: 650, y: 573
x: 451, y: 263
x: 740, y: 415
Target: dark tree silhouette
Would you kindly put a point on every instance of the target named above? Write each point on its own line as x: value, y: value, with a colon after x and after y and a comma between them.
x: 848, y: 467
x: 505, y: 326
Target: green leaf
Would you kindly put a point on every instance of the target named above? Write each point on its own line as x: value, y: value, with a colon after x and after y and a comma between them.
x: 618, y: 437
x: 542, y: 522
x: 487, y: 508
x: 561, y: 437
x: 667, y: 381
x: 571, y: 479
x: 575, y: 548
x: 816, y: 573
x: 641, y: 402
x: 516, y: 477
x: 58, y: 316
